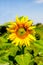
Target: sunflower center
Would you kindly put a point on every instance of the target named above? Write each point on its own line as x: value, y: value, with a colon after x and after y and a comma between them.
x: 21, y: 31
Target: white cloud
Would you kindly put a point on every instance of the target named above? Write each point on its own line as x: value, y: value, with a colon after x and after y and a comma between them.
x: 39, y: 1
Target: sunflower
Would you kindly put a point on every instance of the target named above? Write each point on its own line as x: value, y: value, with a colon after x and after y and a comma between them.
x: 21, y: 31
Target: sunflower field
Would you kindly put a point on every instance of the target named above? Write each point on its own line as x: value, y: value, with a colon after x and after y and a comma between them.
x: 21, y: 42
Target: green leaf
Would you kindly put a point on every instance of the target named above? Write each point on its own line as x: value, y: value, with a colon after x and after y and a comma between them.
x: 23, y: 59
x: 31, y: 63
x: 4, y: 63
x: 13, y: 50
x: 40, y: 63
x: 3, y: 60
x: 39, y: 44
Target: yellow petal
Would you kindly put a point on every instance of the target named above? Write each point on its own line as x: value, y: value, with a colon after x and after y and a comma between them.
x: 21, y: 42
x: 16, y: 43
x: 12, y: 25
x: 31, y: 27
x: 11, y: 36
x: 32, y: 37
x: 25, y: 42
x: 13, y: 42
x: 28, y: 24
x: 26, y: 18
x: 22, y: 20
x: 8, y: 29
x: 17, y: 20
x: 16, y: 40
x: 28, y: 43
x: 12, y: 31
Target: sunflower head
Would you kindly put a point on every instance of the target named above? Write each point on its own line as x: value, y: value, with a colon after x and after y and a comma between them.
x: 21, y: 31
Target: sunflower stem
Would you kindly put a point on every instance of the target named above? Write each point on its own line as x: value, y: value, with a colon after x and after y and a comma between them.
x: 22, y: 50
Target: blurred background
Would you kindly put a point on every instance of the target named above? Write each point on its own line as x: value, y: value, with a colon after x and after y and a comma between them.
x: 9, y: 9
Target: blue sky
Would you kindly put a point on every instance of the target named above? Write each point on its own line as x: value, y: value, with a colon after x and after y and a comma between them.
x: 31, y: 8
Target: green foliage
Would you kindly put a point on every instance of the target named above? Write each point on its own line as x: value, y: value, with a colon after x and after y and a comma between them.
x: 15, y: 55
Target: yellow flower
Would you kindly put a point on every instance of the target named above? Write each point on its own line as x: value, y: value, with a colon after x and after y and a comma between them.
x: 21, y: 31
